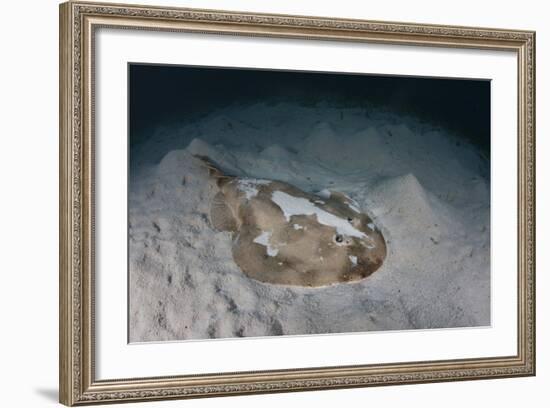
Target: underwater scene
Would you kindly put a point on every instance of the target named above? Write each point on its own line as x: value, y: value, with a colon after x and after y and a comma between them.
x: 266, y: 203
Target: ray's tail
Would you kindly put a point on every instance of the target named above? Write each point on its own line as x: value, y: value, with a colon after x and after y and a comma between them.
x: 214, y: 170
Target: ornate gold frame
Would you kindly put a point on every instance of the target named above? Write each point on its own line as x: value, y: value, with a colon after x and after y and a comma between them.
x: 78, y: 20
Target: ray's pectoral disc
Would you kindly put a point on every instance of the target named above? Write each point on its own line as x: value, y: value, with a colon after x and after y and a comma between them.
x: 282, y: 235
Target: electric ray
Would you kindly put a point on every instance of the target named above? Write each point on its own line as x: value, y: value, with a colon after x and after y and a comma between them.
x: 283, y: 235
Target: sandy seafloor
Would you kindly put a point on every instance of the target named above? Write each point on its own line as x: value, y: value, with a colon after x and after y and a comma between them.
x: 427, y: 190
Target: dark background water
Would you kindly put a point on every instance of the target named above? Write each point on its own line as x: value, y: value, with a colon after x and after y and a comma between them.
x: 160, y: 93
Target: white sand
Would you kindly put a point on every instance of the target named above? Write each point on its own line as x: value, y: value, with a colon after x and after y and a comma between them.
x: 427, y: 191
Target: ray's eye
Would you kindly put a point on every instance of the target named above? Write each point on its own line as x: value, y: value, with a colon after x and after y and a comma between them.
x: 339, y: 238
x: 350, y: 219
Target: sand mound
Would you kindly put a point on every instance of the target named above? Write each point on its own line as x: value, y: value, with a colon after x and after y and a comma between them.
x: 408, y: 202
x: 340, y: 149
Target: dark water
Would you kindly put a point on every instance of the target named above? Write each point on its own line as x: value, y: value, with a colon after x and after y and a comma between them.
x: 160, y: 93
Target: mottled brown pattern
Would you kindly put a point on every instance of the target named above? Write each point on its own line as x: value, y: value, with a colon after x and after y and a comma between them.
x: 306, y: 252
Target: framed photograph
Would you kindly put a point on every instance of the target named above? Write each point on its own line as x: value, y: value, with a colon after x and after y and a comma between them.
x: 256, y: 203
